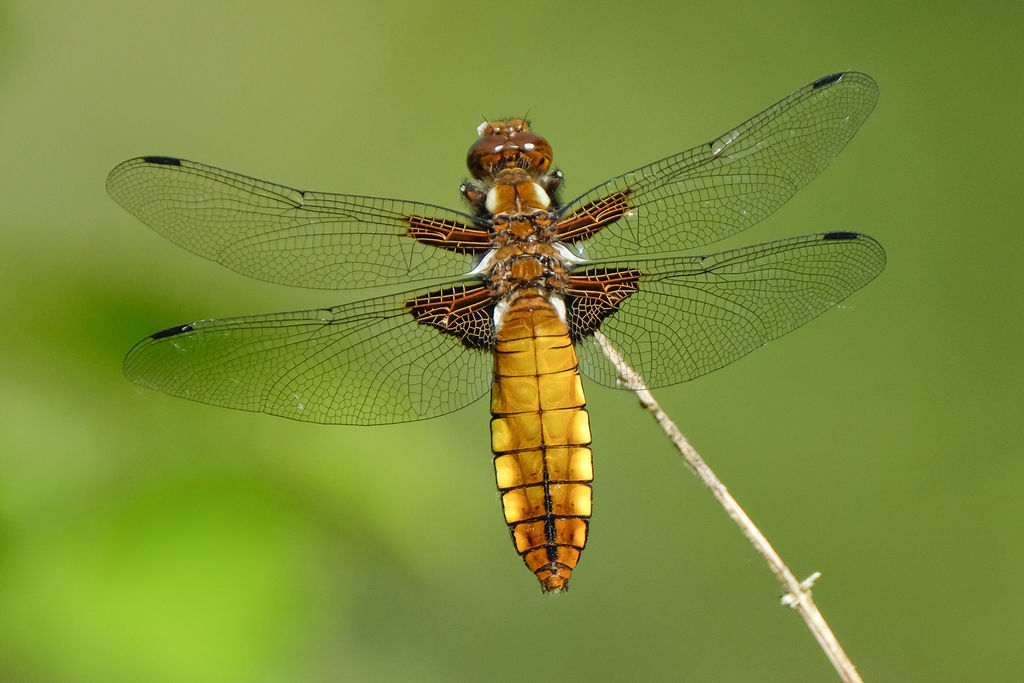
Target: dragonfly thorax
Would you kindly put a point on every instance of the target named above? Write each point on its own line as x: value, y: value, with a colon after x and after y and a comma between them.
x: 527, y: 266
x: 525, y: 254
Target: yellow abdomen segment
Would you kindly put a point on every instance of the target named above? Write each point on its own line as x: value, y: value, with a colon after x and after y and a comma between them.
x: 540, y: 433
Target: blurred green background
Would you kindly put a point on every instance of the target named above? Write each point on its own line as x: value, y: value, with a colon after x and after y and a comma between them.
x: 145, y: 538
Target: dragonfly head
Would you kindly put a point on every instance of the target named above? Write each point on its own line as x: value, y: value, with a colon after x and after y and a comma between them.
x: 507, y: 143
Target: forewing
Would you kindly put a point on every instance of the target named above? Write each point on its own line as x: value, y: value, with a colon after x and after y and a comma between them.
x: 280, y: 234
x: 362, y: 363
x: 692, y: 315
x: 719, y: 188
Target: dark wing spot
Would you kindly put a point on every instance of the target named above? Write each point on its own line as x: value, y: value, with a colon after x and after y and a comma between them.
x: 828, y: 80
x: 840, y: 236
x: 163, y: 161
x: 172, y: 331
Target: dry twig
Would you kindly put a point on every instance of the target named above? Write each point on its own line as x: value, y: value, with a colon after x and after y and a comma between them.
x: 798, y: 595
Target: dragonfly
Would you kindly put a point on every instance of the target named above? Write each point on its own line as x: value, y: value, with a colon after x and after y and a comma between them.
x: 506, y: 295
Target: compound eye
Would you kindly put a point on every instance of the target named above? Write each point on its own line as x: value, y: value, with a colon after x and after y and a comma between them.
x: 534, y: 149
x: 485, y: 153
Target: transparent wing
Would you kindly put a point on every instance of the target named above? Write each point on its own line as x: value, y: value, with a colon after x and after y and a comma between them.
x: 692, y: 315
x: 279, y: 234
x: 727, y: 185
x: 362, y: 363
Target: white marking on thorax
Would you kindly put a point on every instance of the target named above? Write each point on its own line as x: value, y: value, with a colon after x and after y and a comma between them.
x: 533, y: 193
x: 500, y: 309
x: 545, y: 200
x: 567, y: 255
x: 491, y: 204
x: 486, y: 263
x: 558, y: 304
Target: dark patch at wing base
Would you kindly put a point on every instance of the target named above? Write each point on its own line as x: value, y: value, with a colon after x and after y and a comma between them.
x: 448, y: 234
x: 465, y: 312
x: 589, y: 219
x: 593, y: 295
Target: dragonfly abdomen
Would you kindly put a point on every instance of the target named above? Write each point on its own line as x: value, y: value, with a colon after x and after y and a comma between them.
x: 540, y: 435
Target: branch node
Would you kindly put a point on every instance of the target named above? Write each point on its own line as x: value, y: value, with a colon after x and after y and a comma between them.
x: 792, y: 599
